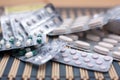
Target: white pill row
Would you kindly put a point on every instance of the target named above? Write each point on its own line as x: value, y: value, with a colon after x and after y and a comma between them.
x: 84, y: 60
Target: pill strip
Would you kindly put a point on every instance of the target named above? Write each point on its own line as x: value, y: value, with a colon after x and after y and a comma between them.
x: 84, y: 60
x: 40, y: 54
x: 82, y: 23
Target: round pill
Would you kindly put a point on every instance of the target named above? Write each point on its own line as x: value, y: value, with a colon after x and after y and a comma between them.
x: 83, y: 54
x: 18, y: 43
x: 95, y: 56
x: 75, y: 57
x: 107, y: 58
x: 28, y: 42
x: 73, y: 52
x: 2, y: 41
x: 90, y: 65
x: 102, y: 67
x: 112, y: 41
x: 8, y: 45
x: 87, y: 60
x: 66, y: 59
x: 78, y: 62
x: 99, y: 62
x: 64, y: 54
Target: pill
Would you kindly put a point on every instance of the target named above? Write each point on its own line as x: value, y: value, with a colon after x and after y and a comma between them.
x: 73, y: 52
x: 93, y: 37
x: 106, y: 45
x: 101, y: 50
x: 87, y: 60
x: 65, y: 38
x: 64, y: 54
x: 66, y: 59
x: 76, y: 28
x: 102, y: 67
x: 107, y: 58
x: 8, y: 45
x: 30, y: 54
x: 60, y: 30
x: 75, y: 57
x: 78, y: 62
x: 99, y: 62
x: 116, y: 54
x: 90, y: 65
x: 83, y: 54
x: 115, y: 37
x: 28, y: 42
x: 82, y: 44
x: 112, y: 41
x: 95, y: 56
x: 18, y: 43
x: 72, y: 36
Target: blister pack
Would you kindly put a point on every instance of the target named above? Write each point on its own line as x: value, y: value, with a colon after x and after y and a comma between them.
x: 96, y: 41
x: 114, y: 21
x: 40, y: 54
x: 38, y: 18
x: 85, y: 60
x: 82, y: 23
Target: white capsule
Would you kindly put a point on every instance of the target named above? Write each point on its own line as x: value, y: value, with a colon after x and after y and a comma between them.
x: 28, y: 54
x: 60, y: 30
x: 65, y: 38
x: 93, y: 37
x: 28, y: 42
x: 101, y: 50
x: 115, y: 37
x: 111, y: 41
x: 106, y: 45
x: 82, y: 44
x: 116, y: 54
x: 8, y: 45
x: 72, y: 36
x: 18, y: 43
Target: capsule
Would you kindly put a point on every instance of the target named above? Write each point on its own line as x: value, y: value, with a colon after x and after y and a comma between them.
x: 72, y: 36
x: 30, y: 54
x: 115, y: 37
x: 111, y: 41
x: 93, y: 37
x: 116, y: 54
x: 65, y: 38
x: 106, y: 45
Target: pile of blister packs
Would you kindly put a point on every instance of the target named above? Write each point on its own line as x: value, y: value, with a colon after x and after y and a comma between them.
x: 81, y: 42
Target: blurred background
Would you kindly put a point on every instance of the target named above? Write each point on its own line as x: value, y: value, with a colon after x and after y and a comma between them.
x: 64, y: 3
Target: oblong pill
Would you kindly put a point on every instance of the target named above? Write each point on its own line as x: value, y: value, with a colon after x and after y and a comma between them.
x: 72, y: 36
x: 112, y: 41
x: 113, y: 36
x: 93, y: 37
x: 65, y: 38
x: 106, y: 45
x: 82, y: 44
x: 60, y: 30
x: 101, y: 50
x: 116, y: 54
